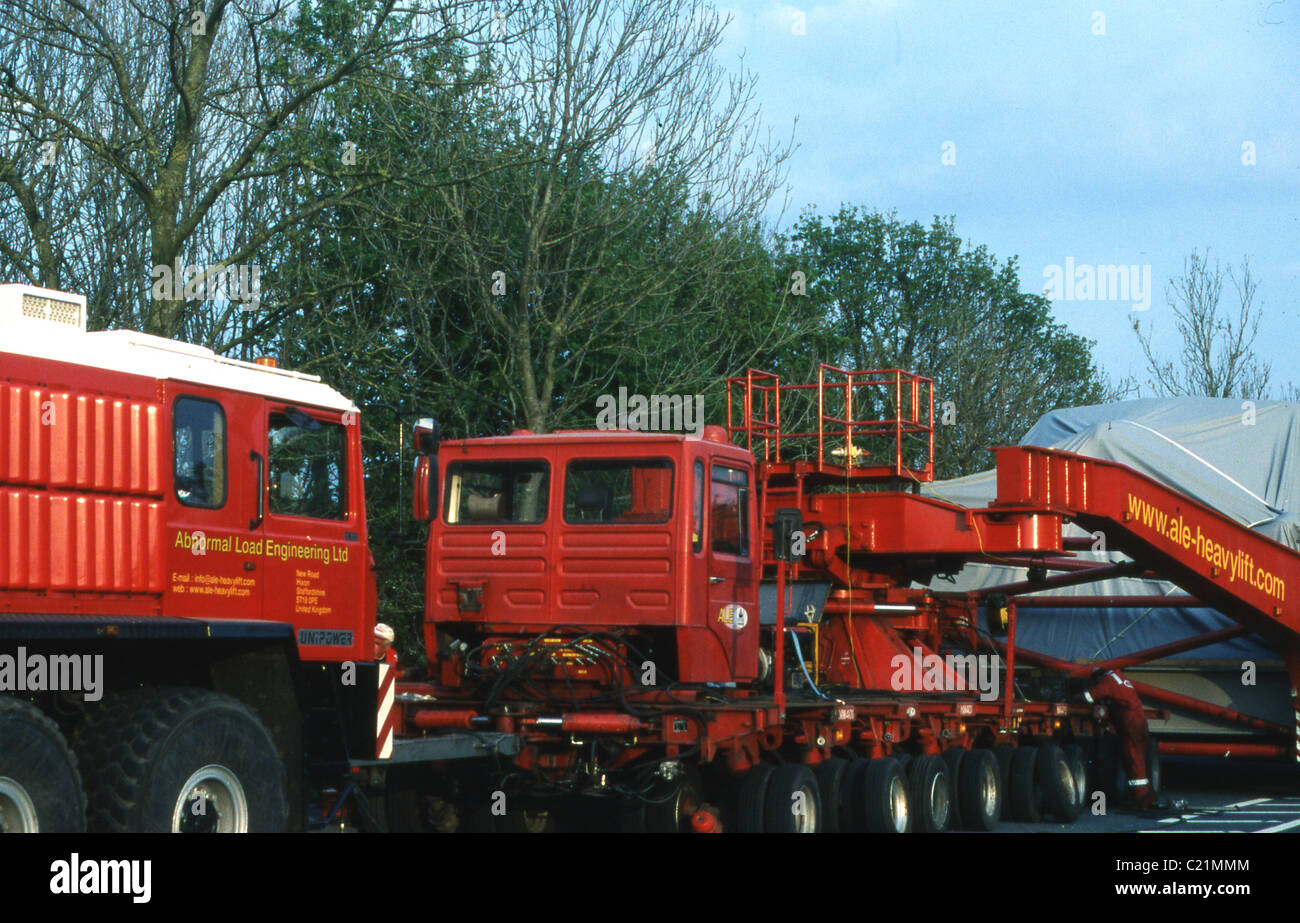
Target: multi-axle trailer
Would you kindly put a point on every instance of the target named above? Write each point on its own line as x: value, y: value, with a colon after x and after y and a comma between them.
x: 725, y: 630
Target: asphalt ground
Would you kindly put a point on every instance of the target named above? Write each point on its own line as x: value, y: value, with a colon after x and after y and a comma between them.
x: 1209, y: 795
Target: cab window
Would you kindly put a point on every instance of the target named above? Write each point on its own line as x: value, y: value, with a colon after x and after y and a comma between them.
x: 729, y: 520
x: 697, y: 509
x: 306, y: 465
x: 496, y: 492
x: 618, y: 491
x: 199, y: 451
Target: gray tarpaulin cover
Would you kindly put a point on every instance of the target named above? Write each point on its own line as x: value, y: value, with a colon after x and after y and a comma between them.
x: 1247, y: 467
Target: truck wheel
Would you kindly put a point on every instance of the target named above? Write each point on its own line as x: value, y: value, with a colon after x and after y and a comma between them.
x: 929, y: 793
x: 1004, y: 754
x: 752, y: 797
x: 980, y: 791
x: 953, y: 757
x: 853, y: 797
x: 40, y: 788
x: 180, y: 760
x: 403, y: 799
x: 673, y: 802
x: 1153, y: 766
x: 1056, y: 782
x: 831, y: 774
x: 1078, y: 763
x: 1107, y: 774
x: 885, y: 806
x: 793, y: 803
x: 1026, y: 803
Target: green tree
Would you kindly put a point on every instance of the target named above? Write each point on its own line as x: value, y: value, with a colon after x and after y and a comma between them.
x: 903, y: 295
x: 1216, y: 357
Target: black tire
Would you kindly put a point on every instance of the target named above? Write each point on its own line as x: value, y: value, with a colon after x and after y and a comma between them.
x: 929, y: 792
x: 1076, y: 758
x: 981, y: 794
x: 1004, y: 754
x: 883, y: 802
x: 853, y: 790
x: 831, y: 774
x: 1154, y: 769
x: 40, y: 787
x: 793, y: 803
x: 630, y: 815
x: 403, y: 800
x: 904, y: 761
x: 1107, y: 773
x: 526, y: 815
x: 1026, y: 803
x: 953, y: 757
x: 752, y: 797
x: 148, y: 749
x: 1060, y: 799
x: 673, y: 802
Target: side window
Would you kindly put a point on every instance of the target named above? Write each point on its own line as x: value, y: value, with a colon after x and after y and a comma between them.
x: 729, y: 530
x: 697, y: 509
x: 199, y: 450
x: 496, y: 492
x: 618, y: 491
x: 307, y: 466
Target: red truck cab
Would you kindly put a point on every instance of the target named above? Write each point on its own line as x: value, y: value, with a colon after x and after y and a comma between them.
x: 643, y: 533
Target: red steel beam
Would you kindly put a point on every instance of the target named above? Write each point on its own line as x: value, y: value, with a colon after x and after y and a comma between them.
x: 1111, y: 602
x: 1244, y: 749
x: 1090, y: 575
x: 1208, y: 709
x: 1147, y: 691
x: 1174, y: 647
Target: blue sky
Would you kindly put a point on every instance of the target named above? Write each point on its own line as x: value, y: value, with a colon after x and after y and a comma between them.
x: 1119, y: 148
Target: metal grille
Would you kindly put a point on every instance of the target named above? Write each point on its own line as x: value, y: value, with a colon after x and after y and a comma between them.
x: 52, y: 309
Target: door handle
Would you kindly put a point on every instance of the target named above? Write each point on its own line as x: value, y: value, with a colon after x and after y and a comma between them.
x: 717, y: 580
x: 261, y: 489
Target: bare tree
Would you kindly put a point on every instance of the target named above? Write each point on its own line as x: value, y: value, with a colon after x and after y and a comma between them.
x: 172, y: 106
x: 1217, y: 358
x: 651, y: 166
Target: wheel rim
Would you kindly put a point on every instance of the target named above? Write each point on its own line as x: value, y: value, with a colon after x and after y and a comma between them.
x: 898, y: 804
x: 1065, y: 777
x: 805, y: 821
x: 989, y: 790
x: 1080, y: 775
x: 224, y: 805
x: 939, y: 801
x: 17, y: 810
x: 536, y: 821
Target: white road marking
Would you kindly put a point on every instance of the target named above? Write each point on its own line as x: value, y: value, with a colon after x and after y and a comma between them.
x: 1255, y: 811
x: 1280, y: 827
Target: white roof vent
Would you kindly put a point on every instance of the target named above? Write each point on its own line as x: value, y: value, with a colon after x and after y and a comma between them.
x: 28, y: 309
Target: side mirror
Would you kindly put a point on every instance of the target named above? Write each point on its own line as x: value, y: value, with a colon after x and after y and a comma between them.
x: 424, y: 436
x: 786, y: 523
x: 424, y: 492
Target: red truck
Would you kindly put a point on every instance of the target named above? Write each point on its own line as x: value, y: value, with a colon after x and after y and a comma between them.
x: 654, y: 631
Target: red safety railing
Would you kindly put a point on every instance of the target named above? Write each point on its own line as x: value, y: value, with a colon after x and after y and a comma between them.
x: 874, y: 423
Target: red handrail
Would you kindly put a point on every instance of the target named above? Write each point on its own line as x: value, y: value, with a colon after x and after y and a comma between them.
x: 840, y: 395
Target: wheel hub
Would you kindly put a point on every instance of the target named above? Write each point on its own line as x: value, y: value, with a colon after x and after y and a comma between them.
x: 17, y: 810
x: 898, y: 804
x: 212, y: 800
x: 939, y: 801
